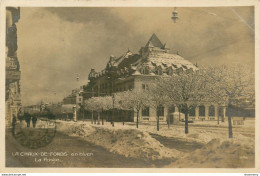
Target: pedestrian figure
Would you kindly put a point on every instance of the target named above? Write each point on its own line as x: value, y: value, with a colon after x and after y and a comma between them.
x: 27, y: 119
x: 13, y: 123
x: 34, y: 120
x: 20, y: 116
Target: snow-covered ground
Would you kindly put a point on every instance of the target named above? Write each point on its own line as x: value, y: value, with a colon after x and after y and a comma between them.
x: 206, y: 145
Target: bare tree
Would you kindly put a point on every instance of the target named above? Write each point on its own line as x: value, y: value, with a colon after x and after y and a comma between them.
x: 90, y: 106
x: 107, y: 104
x: 226, y: 84
x: 121, y: 103
x: 97, y: 104
x: 185, y: 89
x: 136, y: 100
x: 157, y: 98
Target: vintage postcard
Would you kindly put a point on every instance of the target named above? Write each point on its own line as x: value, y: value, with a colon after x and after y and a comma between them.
x: 125, y: 86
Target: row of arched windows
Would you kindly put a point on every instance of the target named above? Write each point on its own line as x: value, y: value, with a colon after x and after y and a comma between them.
x: 159, y: 71
x: 172, y: 109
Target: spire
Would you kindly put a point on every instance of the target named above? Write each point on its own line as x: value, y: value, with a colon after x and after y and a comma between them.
x: 154, y: 42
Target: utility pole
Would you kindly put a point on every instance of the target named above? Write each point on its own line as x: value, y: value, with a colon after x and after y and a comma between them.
x: 98, y: 96
x: 92, y: 115
x: 113, y: 98
x: 75, y: 108
x: 113, y: 110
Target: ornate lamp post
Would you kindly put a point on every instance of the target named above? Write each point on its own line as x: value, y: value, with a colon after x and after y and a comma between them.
x: 175, y: 15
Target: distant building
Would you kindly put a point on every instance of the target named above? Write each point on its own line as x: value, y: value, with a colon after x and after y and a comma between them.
x: 73, y: 103
x: 13, y: 73
x: 74, y: 98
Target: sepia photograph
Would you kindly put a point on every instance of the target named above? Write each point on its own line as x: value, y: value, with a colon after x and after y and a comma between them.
x: 130, y: 87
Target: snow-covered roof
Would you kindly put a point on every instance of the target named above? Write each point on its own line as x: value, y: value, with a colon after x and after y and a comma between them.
x: 164, y: 61
x: 121, y: 58
x: 153, y: 56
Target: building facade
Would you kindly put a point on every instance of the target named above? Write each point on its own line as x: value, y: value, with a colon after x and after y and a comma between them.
x: 13, y: 73
x: 131, y: 71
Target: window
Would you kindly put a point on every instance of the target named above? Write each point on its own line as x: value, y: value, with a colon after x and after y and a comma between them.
x: 159, y: 71
x: 192, y: 111
x: 145, y: 111
x: 202, y: 110
x: 171, y: 109
x: 144, y: 86
x: 146, y: 71
x: 211, y: 110
x: 160, y: 111
x: 130, y: 87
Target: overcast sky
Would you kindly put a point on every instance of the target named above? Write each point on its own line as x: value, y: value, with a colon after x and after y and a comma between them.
x: 56, y: 44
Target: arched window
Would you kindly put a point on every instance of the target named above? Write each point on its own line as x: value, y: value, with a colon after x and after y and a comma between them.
x: 145, y: 111
x: 180, y: 70
x: 171, y: 109
x: 146, y: 70
x: 211, y: 110
x: 159, y: 71
x: 192, y: 111
x: 220, y: 111
x: 160, y: 111
x: 169, y: 71
x: 202, y: 110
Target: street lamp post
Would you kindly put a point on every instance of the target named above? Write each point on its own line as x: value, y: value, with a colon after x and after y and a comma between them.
x: 113, y: 110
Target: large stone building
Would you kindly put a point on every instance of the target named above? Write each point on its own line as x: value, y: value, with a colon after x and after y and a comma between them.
x: 12, y: 94
x: 131, y: 71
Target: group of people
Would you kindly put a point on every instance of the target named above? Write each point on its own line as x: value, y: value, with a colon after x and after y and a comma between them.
x: 28, y: 119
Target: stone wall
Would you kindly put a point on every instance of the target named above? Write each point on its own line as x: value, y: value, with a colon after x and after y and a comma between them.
x: 13, y: 73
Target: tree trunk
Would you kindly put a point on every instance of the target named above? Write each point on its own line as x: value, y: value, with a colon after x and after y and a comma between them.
x: 229, y: 114
x: 112, y: 119
x: 186, y: 123
x: 158, y: 123
x: 137, y: 118
x: 222, y: 117
x: 123, y: 119
x: 95, y: 119
x: 92, y: 117
x: 168, y: 120
x: 102, y: 118
x: 83, y: 116
x: 230, y: 134
x: 98, y: 118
